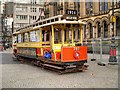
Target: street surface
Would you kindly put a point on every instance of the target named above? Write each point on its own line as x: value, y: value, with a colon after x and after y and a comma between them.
x: 17, y: 75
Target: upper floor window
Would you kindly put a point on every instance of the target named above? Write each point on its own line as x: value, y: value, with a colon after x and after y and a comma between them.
x: 33, y: 1
x: 21, y: 17
x: 89, y: 7
x: 21, y: 9
x: 33, y: 17
x: 33, y: 9
x: 103, y: 5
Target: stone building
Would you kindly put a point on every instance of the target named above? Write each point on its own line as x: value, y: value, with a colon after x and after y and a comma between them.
x: 23, y: 13
x: 96, y: 13
x: 0, y: 24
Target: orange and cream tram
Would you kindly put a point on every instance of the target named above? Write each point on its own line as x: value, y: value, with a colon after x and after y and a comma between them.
x: 54, y: 42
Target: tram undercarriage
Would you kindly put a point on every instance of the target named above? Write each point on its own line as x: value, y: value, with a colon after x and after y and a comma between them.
x: 60, y: 67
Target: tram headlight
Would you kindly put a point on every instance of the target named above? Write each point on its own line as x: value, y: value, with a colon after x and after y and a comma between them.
x: 76, y: 55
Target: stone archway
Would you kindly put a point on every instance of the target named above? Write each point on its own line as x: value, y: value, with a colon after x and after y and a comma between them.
x: 105, y: 27
x: 90, y: 28
x: 97, y: 24
x: 98, y: 29
x: 90, y: 31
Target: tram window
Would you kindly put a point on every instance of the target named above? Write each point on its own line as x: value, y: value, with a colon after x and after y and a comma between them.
x: 19, y: 38
x: 74, y: 34
x: 45, y: 36
x: 62, y: 18
x: 37, y: 24
x: 48, y: 21
x: 70, y: 35
x: 58, y: 36
x: 26, y: 37
x: 65, y: 33
x: 44, y: 22
x: 52, y: 20
x: 40, y: 23
x: 56, y: 19
x: 33, y: 36
x: 38, y: 35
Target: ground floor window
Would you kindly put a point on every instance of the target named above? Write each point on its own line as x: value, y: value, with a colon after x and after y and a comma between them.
x: 118, y: 26
x: 105, y: 29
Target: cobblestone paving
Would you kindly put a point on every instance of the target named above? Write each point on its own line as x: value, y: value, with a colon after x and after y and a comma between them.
x: 30, y: 76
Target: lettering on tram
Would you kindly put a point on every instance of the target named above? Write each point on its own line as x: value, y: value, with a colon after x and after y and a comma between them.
x: 53, y: 42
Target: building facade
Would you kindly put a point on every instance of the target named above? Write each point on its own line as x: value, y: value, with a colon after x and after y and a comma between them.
x: 98, y: 15
x: 23, y: 13
x: 0, y: 23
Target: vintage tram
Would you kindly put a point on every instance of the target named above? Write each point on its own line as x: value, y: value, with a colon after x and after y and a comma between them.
x: 55, y: 42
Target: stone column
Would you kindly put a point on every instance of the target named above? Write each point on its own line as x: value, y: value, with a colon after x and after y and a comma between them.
x: 108, y: 30
x: 95, y: 6
x: 102, y: 31
x: 94, y: 31
x: 87, y: 31
x: 82, y: 8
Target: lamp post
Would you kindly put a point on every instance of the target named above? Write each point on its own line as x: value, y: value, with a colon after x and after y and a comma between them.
x: 112, y: 18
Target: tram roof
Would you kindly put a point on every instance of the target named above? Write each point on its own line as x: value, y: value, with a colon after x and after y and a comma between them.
x: 61, y: 22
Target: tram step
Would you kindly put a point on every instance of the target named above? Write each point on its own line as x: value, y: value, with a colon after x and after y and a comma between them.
x: 52, y: 66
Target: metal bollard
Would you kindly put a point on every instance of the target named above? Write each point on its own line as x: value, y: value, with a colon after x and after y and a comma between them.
x: 112, y: 57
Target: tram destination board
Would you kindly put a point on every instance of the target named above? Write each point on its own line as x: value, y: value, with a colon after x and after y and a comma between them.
x: 71, y: 12
x: 71, y: 15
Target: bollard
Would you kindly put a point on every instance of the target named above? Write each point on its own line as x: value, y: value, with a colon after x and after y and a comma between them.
x: 112, y: 57
x: 93, y: 49
x: 112, y: 53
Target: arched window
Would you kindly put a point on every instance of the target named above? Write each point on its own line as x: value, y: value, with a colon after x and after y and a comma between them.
x: 98, y: 29
x: 105, y: 26
x: 117, y: 25
x: 91, y: 30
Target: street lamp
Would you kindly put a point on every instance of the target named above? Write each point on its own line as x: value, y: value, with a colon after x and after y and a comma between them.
x: 113, y: 18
